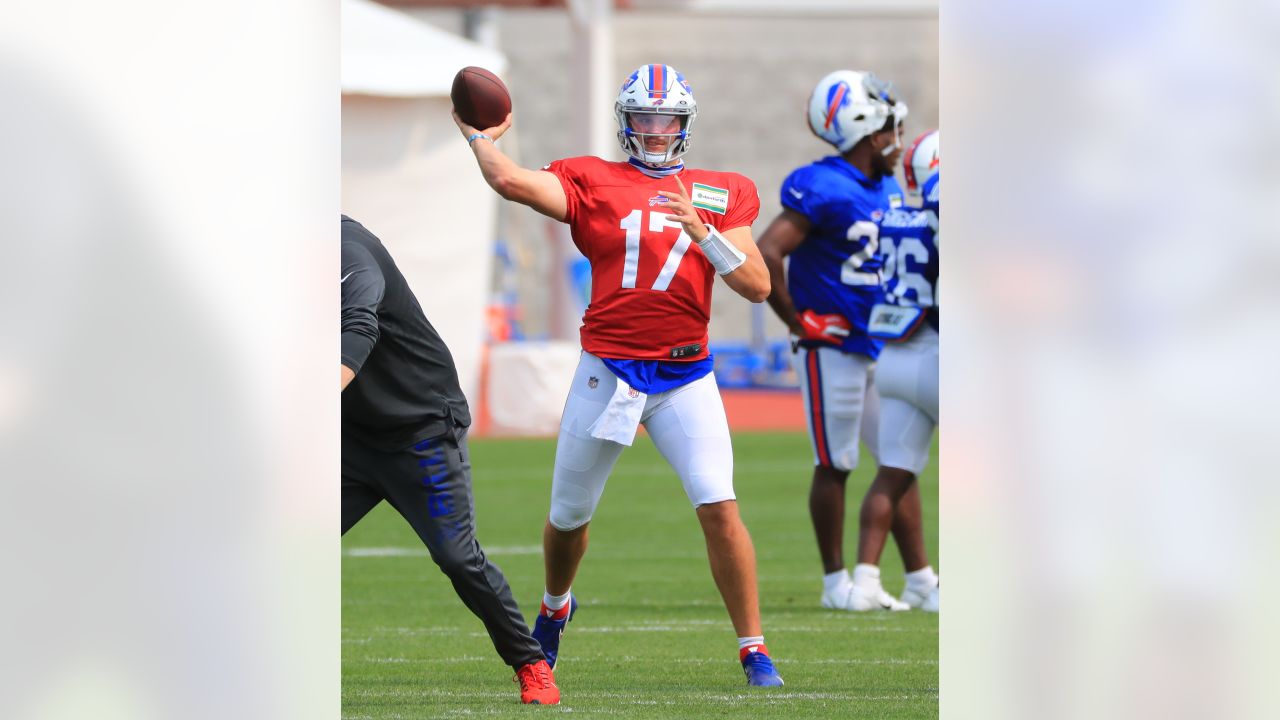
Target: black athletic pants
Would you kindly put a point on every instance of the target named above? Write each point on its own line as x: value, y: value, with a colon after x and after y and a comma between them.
x: 430, y: 485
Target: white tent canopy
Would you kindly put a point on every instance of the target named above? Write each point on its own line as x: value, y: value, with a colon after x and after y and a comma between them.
x: 409, y: 176
x: 388, y: 53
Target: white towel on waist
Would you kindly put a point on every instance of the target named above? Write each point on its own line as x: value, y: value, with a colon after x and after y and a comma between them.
x: 621, y: 417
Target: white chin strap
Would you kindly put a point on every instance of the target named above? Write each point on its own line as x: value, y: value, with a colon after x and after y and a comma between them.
x: 889, y: 149
x: 899, y: 113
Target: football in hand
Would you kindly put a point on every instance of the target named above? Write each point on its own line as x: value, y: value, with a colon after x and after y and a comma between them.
x: 480, y: 98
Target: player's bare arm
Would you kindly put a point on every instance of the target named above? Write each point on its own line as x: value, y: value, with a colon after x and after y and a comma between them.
x: 751, y: 278
x: 780, y: 239
x: 347, y: 376
x: 537, y: 189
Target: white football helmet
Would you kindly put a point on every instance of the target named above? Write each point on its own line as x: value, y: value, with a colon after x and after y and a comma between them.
x: 921, y: 160
x: 848, y: 105
x: 655, y: 90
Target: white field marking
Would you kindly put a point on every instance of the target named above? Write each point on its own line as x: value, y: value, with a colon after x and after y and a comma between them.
x: 772, y: 698
x: 401, y: 694
x: 704, y: 621
x: 782, y: 659
x: 404, y: 631
x: 606, y: 695
x: 726, y: 660
x: 860, y: 661
x: 422, y: 552
x: 385, y: 552
x: 700, y: 625
x: 458, y: 659
x: 800, y: 466
x: 773, y: 629
x: 630, y: 697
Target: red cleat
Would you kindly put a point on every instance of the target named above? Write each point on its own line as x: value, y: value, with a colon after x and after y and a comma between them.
x: 537, y: 684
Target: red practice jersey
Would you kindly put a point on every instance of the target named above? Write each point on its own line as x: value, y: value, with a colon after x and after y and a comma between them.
x: 650, y: 285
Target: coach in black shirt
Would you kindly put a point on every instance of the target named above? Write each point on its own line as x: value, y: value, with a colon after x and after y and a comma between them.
x: 404, y: 421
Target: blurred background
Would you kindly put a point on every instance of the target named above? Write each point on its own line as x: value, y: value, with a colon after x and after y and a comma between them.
x: 504, y: 285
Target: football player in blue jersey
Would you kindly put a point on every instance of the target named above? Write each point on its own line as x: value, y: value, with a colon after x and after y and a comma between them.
x: 829, y: 229
x: 906, y: 375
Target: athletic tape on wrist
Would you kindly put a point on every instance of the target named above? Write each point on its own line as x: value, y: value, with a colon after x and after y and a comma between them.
x: 724, y: 257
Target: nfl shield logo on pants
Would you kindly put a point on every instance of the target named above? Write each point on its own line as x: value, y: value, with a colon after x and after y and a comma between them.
x: 593, y: 382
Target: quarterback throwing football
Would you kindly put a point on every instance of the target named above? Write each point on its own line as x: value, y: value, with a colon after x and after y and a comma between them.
x: 656, y: 233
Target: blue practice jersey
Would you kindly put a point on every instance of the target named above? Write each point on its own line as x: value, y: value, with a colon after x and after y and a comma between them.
x: 837, y: 269
x: 909, y: 251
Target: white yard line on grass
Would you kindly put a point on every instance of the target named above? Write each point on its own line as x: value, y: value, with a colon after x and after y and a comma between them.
x: 682, y: 626
x: 608, y: 694
x: 773, y: 697
x: 633, y: 658
x: 752, y: 697
x: 709, y: 627
x: 363, y: 552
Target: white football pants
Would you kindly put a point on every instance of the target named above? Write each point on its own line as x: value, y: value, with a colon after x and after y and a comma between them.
x: 907, y: 376
x: 841, y: 404
x: 687, y: 425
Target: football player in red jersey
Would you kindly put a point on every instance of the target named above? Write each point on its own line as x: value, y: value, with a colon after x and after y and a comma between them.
x: 644, y: 335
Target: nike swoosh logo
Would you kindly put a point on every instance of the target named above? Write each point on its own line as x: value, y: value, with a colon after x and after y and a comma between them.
x: 798, y: 194
x: 344, y: 277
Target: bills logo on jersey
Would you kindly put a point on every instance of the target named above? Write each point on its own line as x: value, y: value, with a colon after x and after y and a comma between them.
x: 876, y: 215
x: 657, y: 200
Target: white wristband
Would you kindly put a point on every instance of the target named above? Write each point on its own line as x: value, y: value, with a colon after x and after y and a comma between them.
x: 724, y: 257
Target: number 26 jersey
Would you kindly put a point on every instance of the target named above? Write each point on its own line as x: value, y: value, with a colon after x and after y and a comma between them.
x: 650, y: 285
x: 909, y: 250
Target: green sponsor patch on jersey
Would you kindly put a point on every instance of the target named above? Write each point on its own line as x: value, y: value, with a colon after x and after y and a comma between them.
x: 710, y: 198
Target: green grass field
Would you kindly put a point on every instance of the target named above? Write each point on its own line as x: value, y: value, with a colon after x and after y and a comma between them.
x: 651, y: 638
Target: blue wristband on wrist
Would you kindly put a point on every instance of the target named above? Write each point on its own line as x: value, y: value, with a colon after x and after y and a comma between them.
x: 477, y: 136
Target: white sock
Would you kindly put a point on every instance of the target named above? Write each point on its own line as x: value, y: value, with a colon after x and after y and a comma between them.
x: 835, y: 580
x: 923, y: 578
x: 555, y: 602
x: 865, y: 575
x: 743, y: 642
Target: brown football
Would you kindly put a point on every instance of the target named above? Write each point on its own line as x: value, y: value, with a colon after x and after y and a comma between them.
x: 480, y: 98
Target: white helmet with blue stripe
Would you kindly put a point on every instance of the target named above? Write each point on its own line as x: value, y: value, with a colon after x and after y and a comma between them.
x: 655, y: 102
x: 848, y: 105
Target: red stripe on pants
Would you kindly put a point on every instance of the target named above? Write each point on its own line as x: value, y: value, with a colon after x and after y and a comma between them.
x: 815, y: 406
